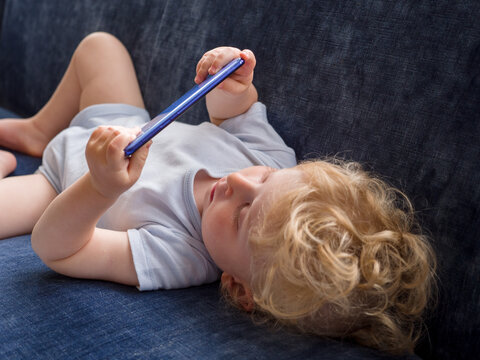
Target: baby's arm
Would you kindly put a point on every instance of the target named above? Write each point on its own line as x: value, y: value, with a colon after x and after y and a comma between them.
x: 236, y: 94
x: 66, y: 237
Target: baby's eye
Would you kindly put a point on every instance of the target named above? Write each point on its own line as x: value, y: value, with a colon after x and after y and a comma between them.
x: 267, y: 174
x: 238, y: 214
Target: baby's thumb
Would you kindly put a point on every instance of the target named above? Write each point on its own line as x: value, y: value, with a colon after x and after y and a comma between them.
x: 250, y: 61
x: 138, y: 159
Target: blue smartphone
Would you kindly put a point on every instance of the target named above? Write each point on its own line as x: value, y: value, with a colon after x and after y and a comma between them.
x: 162, y: 120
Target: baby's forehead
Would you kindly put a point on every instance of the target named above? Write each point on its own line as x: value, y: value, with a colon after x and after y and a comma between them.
x: 284, y: 180
x: 278, y: 184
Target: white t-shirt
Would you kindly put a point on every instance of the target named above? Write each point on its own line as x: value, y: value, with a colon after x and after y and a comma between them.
x: 159, y: 211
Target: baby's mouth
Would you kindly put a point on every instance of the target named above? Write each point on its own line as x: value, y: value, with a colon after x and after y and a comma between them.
x: 212, y: 193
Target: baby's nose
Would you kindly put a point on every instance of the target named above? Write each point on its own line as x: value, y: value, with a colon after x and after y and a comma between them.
x: 242, y: 185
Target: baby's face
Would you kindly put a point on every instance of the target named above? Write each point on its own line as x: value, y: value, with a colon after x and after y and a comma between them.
x: 234, y: 205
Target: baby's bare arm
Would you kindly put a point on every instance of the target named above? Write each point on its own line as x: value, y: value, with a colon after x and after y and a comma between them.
x: 236, y: 94
x: 66, y: 237
x: 67, y: 240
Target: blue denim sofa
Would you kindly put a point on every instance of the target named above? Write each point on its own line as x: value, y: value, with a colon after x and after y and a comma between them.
x: 392, y: 84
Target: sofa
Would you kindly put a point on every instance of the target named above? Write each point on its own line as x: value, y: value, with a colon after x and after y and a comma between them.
x: 394, y: 85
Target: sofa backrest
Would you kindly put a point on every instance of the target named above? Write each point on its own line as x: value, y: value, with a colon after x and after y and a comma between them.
x: 394, y: 85
x: 2, y: 5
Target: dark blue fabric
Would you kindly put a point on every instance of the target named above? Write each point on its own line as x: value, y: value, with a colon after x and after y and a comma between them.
x: 2, y: 4
x: 44, y: 315
x: 394, y: 85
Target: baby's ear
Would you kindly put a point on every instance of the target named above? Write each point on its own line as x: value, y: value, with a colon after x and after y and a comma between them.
x: 239, y: 291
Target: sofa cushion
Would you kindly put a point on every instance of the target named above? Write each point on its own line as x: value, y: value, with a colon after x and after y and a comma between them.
x: 394, y: 85
x: 44, y: 315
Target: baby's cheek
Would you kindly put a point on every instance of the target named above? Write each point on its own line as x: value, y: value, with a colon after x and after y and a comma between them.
x: 211, y: 225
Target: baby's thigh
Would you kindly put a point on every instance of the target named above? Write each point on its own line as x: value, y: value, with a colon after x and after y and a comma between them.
x: 105, y: 72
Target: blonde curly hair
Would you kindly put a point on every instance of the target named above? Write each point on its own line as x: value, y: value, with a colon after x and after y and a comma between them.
x: 342, y: 256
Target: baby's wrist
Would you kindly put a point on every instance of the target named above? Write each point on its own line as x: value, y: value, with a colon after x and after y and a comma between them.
x: 107, y: 194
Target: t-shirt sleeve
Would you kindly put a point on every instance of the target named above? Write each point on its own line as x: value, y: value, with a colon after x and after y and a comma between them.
x: 165, y: 259
x: 254, y: 130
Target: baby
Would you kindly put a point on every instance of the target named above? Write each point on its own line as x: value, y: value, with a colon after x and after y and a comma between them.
x: 322, y: 246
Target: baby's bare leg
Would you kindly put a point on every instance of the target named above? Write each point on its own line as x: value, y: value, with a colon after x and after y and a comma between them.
x: 22, y: 200
x: 8, y: 163
x: 100, y: 71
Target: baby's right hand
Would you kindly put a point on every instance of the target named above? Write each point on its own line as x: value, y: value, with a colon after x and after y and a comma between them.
x: 111, y: 173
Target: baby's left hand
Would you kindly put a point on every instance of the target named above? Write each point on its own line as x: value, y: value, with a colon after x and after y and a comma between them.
x: 111, y: 173
x: 212, y: 61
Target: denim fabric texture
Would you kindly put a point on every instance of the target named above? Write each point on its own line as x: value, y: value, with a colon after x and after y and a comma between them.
x: 392, y: 84
x: 47, y: 316
x: 2, y: 4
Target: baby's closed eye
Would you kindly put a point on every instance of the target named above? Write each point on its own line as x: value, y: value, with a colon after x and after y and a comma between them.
x: 238, y: 214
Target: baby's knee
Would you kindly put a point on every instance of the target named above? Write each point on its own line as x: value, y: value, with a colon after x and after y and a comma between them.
x: 98, y: 42
x: 99, y: 37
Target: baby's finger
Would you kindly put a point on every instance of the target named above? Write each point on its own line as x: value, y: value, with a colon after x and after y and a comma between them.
x: 250, y: 63
x: 97, y: 134
x: 203, y: 65
x: 137, y: 161
x: 114, y: 152
x: 224, y: 56
x: 99, y: 140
